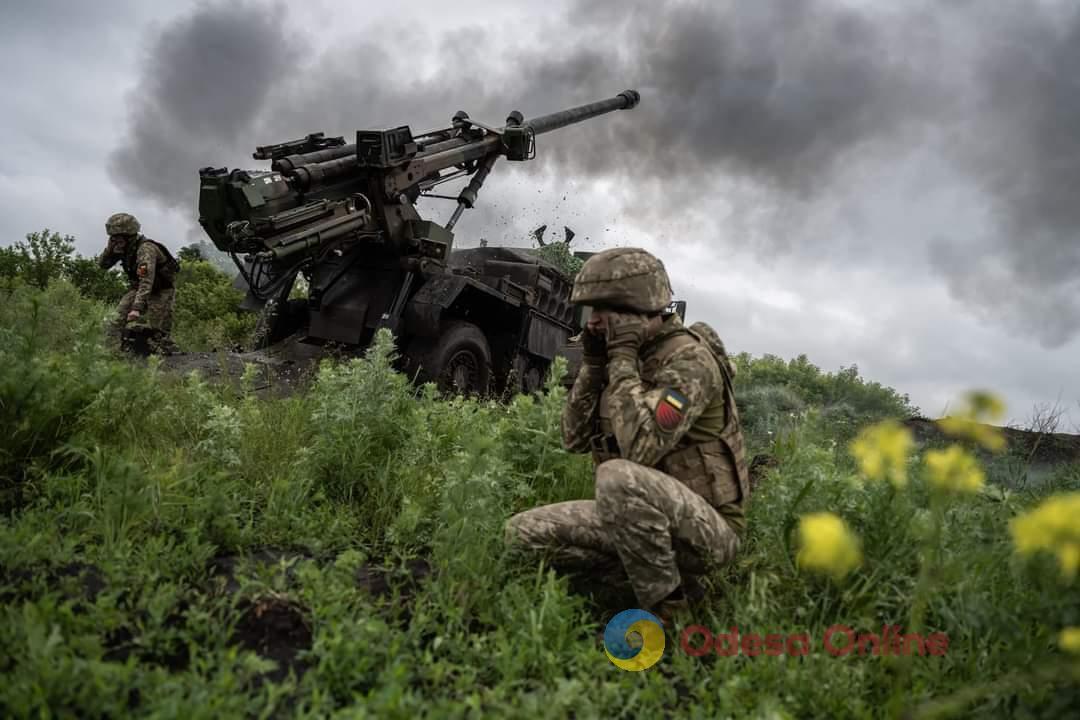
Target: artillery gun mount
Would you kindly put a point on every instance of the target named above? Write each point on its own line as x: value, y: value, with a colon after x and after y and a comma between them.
x: 343, y: 217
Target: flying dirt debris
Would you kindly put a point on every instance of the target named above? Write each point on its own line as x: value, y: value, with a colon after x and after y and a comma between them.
x: 343, y: 216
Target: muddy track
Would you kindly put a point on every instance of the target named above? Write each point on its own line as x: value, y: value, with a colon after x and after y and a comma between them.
x: 281, y: 370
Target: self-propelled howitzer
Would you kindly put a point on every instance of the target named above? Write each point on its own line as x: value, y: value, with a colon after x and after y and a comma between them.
x: 343, y: 216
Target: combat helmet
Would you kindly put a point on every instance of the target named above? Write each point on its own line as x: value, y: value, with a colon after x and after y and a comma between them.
x: 625, y: 278
x: 122, y: 224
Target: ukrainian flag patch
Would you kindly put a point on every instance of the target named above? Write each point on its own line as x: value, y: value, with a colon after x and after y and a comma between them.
x: 670, y: 409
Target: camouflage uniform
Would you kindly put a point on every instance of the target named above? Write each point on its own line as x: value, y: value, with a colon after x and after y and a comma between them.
x: 151, y: 272
x: 661, y: 423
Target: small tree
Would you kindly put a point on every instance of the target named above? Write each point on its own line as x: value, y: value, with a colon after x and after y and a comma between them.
x: 45, y: 256
x: 93, y: 281
x: 10, y: 263
x: 190, y: 253
x: 208, y: 313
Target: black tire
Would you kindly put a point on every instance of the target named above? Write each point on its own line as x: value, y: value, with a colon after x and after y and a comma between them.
x: 458, y: 362
x: 532, y: 379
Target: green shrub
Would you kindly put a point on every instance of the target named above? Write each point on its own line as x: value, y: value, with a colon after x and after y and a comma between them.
x: 46, y: 256
x: 207, y: 305
x: 767, y: 411
x: 93, y: 282
x: 768, y: 387
x: 560, y: 255
x: 52, y: 369
x: 207, y: 309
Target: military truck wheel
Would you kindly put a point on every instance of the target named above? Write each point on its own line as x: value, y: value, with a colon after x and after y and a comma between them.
x: 533, y: 380
x: 458, y: 362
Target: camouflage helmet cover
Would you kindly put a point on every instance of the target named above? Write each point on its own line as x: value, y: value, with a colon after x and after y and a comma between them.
x: 122, y: 224
x: 627, y: 278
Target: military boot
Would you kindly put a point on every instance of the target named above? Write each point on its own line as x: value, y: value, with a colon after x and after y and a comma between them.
x: 162, y: 344
x: 692, y: 588
x: 680, y: 602
x: 670, y: 609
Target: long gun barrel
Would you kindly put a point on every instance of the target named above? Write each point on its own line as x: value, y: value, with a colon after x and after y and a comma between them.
x: 554, y: 121
x: 322, y: 192
x: 438, y: 150
x: 440, y: 141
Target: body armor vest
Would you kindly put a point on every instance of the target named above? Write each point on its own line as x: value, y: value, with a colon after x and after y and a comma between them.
x: 164, y: 278
x: 710, y: 458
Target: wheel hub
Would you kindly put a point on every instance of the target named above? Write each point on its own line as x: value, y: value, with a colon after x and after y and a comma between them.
x: 463, y: 372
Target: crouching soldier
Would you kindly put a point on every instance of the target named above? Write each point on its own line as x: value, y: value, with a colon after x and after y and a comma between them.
x: 146, y: 309
x: 653, y: 402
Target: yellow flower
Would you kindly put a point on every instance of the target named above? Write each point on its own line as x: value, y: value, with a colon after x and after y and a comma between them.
x: 954, y: 469
x: 1070, y: 639
x: 827, y: 545
x: 969, y: 429
x: 1054, y: 526
x: 882, y: 450
x: 1069, y: 558
x: 978, y: 408
x: 986, y: 406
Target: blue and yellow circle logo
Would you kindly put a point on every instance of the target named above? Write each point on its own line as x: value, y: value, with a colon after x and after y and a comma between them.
x: 634, y: 640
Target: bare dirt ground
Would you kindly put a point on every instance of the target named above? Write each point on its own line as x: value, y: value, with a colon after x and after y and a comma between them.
x: 280, y: 370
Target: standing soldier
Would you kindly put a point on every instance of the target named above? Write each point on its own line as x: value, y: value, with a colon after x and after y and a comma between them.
x: 653, y: 402
x: 147, y: 306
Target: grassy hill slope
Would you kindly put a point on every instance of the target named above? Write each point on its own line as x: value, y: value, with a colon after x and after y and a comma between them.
x: 175, y: 548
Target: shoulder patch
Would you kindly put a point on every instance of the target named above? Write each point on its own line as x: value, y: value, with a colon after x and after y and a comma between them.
x: 142, y: 270
x: 670, y: 409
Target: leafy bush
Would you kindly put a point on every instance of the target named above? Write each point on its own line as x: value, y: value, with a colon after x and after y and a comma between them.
x: 52, y: 367
x: 207, y: 306
x: 207, y: 309
x: 559, y: 255
x: 771, y: 392
x: 768, y: 411
x: 46, y: 256
x: 93, y: 282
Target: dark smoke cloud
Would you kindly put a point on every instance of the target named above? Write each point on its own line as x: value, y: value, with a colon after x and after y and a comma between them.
x: 772, y: 89
x: 204, y: 83
x: 1023, y: 148
x: 782, y: 94
x: 777, y: 91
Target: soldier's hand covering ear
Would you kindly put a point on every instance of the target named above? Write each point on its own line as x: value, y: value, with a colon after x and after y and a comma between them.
x: 625, y: 333
x: 594, y: 348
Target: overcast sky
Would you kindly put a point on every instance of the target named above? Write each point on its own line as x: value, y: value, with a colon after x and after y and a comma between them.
x: 892, y: 188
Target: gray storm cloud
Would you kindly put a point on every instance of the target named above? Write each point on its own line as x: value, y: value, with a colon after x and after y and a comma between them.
x: 203, y: 85
x: 1023, y: 149
x: 772, y: 89
x: 779, y: 93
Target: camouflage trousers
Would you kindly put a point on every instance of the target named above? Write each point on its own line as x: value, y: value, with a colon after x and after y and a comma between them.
x: 647, y: 521
x: 156, y: 320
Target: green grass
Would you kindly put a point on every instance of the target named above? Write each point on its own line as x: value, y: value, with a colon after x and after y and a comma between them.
x: 128, y: 492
